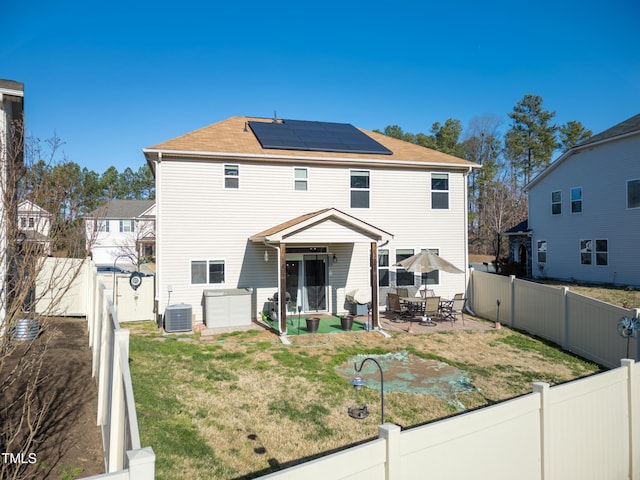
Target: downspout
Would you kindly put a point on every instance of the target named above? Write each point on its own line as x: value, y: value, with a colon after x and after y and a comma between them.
x: 280, y: 296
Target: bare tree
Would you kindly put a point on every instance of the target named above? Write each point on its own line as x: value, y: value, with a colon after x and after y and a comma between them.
x: 32, y: 286
x: 503, y: 209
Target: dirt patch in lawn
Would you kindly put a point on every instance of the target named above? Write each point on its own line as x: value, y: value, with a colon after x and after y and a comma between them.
x: 68, y: 443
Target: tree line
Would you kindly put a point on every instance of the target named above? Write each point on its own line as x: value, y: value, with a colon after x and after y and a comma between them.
x: 497, y: 200
x: 70, y: 192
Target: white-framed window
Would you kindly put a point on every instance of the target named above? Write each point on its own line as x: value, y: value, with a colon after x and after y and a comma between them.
x: 576, y: 200
x: 403, y: 277
x: 231, y: 176
x: 633, y: 193
x: 602, y: 252
x: 542, y: 251
x: 440, y: 191
x: 103, y: 226
x: 301, y: 179
x: 360, y: 188
x: 127, y: 226
x: 433, y: 277
x: 207, y: 272
x: 556, y: 202
x: 586, y: 252
x: 383, y: 268
x: 23, y: 222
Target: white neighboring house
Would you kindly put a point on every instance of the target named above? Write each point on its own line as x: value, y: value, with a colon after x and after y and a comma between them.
x: 121, y: 228
x: 35, y: 223
x: 584, y: 210
x: 239, y: 209
x: 11, y: 111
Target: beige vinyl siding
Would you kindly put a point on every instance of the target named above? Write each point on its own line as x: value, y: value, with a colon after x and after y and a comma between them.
x: 200, y: 220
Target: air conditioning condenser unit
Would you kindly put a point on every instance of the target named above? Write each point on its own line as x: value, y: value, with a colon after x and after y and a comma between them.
x: 177, y: 318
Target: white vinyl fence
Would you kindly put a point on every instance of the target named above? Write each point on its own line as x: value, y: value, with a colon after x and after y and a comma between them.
x: 587, y: 429
x: 577, y: 323
x: 88, y: 296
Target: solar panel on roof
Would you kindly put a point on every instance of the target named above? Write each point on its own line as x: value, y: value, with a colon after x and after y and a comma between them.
x: 315, y: 136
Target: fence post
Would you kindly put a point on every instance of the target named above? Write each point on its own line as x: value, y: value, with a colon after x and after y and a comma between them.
x: 542, y: 389
x: 391, y: 434
x: 634, y: 417
x: 117, y: 417
x: 564, y: 314
x: 512, y: 295
x: 141, y: 464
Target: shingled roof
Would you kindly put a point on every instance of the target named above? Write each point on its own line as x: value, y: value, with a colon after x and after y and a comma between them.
x: 122, y: 209
x: 234, y: 138
x: 630, y: 125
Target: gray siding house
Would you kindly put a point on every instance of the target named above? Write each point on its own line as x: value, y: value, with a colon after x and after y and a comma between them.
x: 584, y: 210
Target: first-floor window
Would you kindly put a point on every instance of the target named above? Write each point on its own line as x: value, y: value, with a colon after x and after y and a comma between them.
x: 586, y: 252
x: 403, y: 277
x: 542, y: 251
x: 207, y: 271
x: 432, y: 277
x: 602, y: 252
x: 383, y: 268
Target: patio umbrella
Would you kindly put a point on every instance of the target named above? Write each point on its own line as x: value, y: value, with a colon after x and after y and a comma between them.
x: 425, y: 262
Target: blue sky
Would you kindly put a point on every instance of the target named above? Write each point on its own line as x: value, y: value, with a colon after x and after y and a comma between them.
x: 111, y: 78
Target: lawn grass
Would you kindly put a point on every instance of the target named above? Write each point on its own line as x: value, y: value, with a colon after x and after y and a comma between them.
x: 244, y: 404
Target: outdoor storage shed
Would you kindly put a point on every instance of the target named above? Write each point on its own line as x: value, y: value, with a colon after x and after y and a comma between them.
x: 227, y: 308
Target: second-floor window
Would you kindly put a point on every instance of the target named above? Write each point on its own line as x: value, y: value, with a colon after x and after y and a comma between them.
x: 556, y: 203
x: 633, y: 193
x: 440, y: 191
x: 300, y: 179
x: 576, y: 200
x: 359, y: 189
x: 231, y: 176
x: 127, y: 226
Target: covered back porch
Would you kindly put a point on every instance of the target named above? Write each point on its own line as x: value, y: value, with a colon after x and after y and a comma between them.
x: 321, y: 257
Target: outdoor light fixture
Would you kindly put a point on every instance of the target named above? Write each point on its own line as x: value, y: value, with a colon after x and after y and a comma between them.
x: 358, y: 382
x: 334, y: 259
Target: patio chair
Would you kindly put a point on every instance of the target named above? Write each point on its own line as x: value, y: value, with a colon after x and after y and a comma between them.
x: 451, y: 310
x: 396, y: 306
x: 402, y: 292
x: 427, y: 292
x: 431, y: 309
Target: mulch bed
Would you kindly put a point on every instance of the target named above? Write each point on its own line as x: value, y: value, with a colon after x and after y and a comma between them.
x: 68, y: 443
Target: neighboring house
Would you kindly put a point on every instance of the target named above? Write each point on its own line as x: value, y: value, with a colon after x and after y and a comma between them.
x: 35, y: 223
x: 302, y: 209
x: 584, y: 210
x: 11, y: 136
x: 520, y: 247
x: 121, y: 228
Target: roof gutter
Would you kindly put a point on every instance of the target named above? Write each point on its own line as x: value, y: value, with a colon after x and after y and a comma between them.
x: 299, y: 158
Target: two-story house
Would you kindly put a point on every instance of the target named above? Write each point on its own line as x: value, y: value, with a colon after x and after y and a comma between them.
x: 312, y: 211
x: 34, y: 223
x: 121, y: 231
x: 584, y: 210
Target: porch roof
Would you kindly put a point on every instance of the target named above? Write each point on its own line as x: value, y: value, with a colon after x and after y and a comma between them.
x: 327, y: 225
